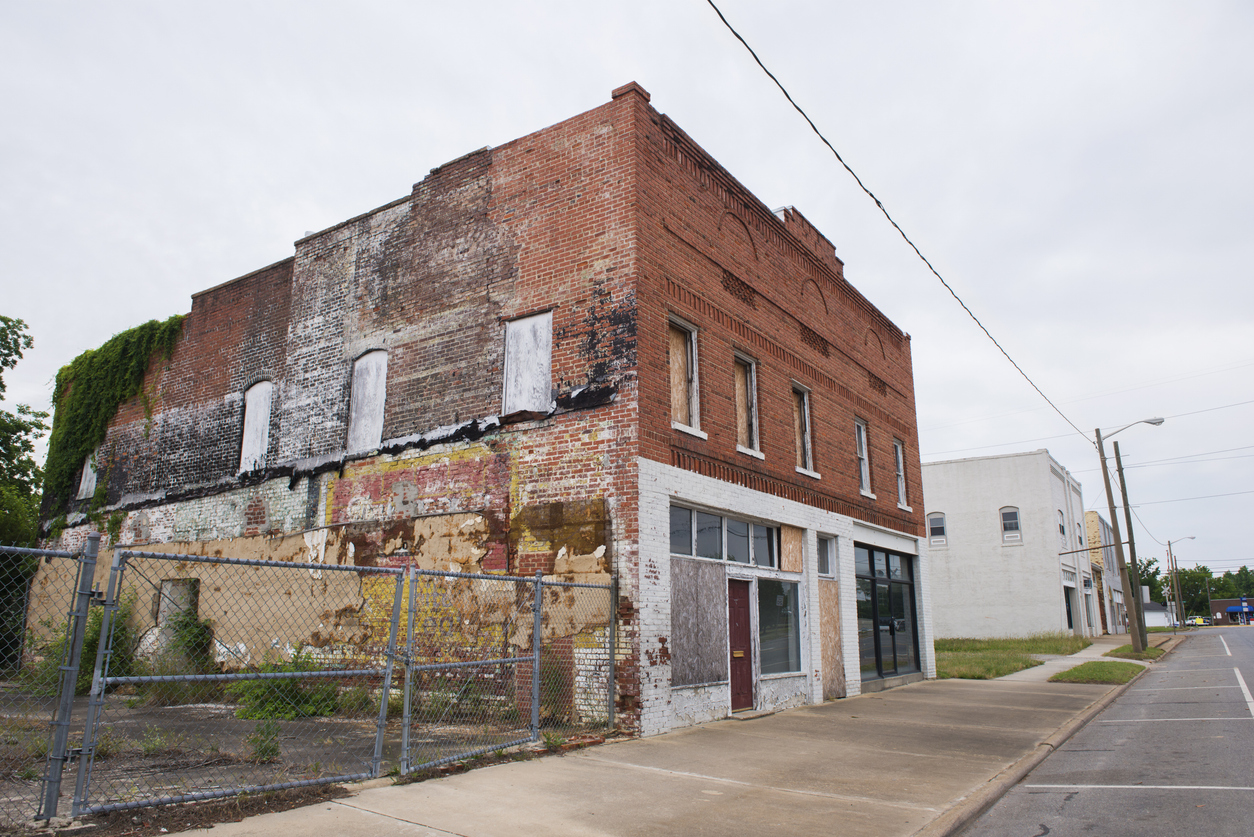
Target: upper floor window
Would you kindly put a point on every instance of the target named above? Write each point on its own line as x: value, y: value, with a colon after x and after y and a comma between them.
x: 1010, y: 525
x: 528, y: 364
x: 1062, y: 524
x: 864, y: 461
x: 87, y: 482
x: 746, y: 405
x: 899, y: 457
x: 366, y: 400
x: 802, y: 439
x: 708, y: 535
x: 255, y: 440
x: 936, y: 529
x: 682, y: 349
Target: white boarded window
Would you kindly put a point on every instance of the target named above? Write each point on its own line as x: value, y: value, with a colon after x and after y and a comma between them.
x: 256, y: 436
x: 87, y: 483
x: 365, y: 417
x: 529, y: 364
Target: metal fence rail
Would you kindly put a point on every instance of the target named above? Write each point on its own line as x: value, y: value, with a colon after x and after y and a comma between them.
x: 204, y: 677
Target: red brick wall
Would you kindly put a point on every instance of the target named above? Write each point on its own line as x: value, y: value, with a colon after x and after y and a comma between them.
x: 715, y: 256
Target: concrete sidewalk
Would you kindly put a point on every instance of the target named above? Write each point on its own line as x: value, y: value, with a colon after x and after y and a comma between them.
x: 890, y: 763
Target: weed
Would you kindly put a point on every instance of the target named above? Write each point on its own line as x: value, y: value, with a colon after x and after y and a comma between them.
x: 286, y: 697
x: 264, y: 742
x: 155, y: 741
x: 357, y: 702
x: 29, y: 773
x: 1098, y: 671
x: 553, y: 741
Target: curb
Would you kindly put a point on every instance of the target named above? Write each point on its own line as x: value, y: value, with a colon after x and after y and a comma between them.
x: 968, y: 809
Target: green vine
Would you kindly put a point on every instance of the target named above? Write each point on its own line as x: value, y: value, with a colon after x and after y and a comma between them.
x: 87, y: 395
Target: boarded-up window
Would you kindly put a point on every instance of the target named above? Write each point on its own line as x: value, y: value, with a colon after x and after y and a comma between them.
x: 746, y: 405
x: 365, y: 421
x: 864, y: 461
x: 683, y: 363
x: 801, y: 428
x: 698, y: 622
x: 256, y: 435
x: 87, y: 483
x: 529, y: 364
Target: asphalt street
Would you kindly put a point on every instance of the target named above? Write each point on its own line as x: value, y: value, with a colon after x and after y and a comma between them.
x: 1173, y: 755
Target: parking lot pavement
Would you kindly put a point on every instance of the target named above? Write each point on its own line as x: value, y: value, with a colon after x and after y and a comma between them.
x: 884, y: 764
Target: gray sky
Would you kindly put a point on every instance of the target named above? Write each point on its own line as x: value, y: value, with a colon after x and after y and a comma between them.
x: 1080, y: 173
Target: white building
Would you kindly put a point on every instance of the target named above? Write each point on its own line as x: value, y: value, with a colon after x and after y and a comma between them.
x: 1007, y: 545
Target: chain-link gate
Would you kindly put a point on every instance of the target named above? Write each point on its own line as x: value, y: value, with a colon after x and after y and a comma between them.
x: 43, y: 630
x: 217, y: 676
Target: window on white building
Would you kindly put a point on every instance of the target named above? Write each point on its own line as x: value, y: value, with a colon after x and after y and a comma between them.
x: 827, y: 556
x: 1010, y: 532
x: 936, y: 529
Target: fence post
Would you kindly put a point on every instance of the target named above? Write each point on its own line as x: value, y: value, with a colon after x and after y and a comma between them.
x: 58, y: 754
x: 537, y: 606
x: 613, y: 640
x: 412, y: 574
x: 387, y: 678
x: 104, y: 652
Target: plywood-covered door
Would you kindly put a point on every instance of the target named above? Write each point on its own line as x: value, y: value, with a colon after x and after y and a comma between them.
x: 741, y: 645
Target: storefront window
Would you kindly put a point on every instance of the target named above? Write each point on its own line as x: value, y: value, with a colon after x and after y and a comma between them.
x: 778, y: 630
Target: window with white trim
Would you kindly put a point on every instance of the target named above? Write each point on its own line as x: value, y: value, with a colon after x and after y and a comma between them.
x: 801, y: 429
x: 682, y: 351
x: 706, y: 535
x: 1010, y: 532
x: 255, y: 437
x: 366, y: 400
x: 864, y: 460
x: 827, y: 556
x: 899, y: 457
x: 746, y: 404
x: 936, y: 529
x: 528, y: 364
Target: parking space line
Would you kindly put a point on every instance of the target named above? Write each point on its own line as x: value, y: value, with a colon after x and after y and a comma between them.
x: 1226, y: 648
x: 1184, y: 688
x: 1150, y: 787
x: 1245, y: 690
x: 1165, y: 720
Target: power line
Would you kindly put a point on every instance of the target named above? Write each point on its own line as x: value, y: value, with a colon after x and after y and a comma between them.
x: 897, y: 227
x: 1212, y: 409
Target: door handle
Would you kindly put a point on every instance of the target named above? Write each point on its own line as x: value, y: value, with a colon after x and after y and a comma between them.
x: 738, y: 653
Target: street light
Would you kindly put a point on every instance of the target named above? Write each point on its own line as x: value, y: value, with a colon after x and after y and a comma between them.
x: 1131, y: 591
x: 1175, y: 575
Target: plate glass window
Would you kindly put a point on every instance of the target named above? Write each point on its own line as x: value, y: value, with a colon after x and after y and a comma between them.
x: 779, y: 632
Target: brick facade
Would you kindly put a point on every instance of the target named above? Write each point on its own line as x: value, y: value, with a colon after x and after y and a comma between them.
x: 614, y: 221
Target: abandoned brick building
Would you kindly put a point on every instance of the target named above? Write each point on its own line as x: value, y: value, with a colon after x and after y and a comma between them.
x: 590, y: 341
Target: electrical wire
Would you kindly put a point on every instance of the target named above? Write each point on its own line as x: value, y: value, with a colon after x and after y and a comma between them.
x: 999, y: 445
x: 896, y: 226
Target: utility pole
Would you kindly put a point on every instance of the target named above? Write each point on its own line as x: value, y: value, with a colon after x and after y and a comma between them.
x: 1125, y: 577
x: 1210, y: 610
x: 1171, y: 559
x: 1132, y: 567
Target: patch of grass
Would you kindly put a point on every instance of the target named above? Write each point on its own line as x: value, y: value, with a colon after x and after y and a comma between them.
x: 1098, y: 671
x: 1045, y: 643
x: 986, y: 659
x: 981, y: 665
x: 264, y: 742
x: 1126, y: 652
x: 1160, y: 629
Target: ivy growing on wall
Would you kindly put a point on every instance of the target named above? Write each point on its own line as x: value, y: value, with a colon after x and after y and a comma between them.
x: 87, y: 395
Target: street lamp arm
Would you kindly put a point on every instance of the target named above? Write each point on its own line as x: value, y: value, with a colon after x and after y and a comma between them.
x: 1154, y: 421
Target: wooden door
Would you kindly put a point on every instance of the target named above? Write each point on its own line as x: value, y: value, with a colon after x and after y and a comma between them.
x: 741, y: 644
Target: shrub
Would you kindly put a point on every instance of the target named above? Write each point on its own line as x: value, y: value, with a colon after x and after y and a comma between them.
x: 287, y: 697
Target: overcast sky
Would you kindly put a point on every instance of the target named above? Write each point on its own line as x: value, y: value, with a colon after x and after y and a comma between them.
x: 1080, y: 173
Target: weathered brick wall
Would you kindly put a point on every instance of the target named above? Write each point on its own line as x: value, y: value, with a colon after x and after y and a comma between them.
x: 772, y: 288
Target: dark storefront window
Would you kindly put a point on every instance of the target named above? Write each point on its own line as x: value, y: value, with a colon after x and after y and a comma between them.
x: 888, y: 633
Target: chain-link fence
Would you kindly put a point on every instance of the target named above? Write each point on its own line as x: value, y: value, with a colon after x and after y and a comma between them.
x: 217, y: 676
